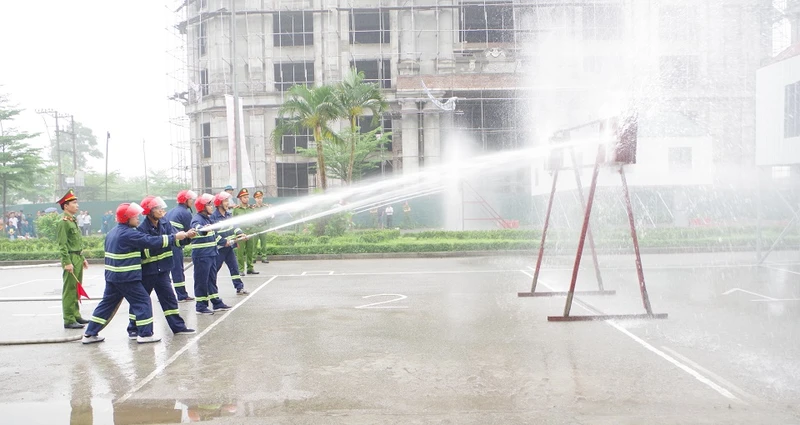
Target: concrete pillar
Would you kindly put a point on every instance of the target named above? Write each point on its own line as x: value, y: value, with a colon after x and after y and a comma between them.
x: 327, y: 29
x: 430, y: 130
x: 445, y: 63
x: 410, y: 137
x: 446, y: 125
x: 408, y: 49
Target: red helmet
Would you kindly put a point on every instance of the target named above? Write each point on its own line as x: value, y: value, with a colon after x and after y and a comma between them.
x: 218, y: 198
x: 201, y: 201
x: 150, y: 202
x: 127, y: 211
x: 186, y: 195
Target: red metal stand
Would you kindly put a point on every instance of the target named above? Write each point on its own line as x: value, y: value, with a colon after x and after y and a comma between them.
x: 600, y: 289
x: 640, y: 273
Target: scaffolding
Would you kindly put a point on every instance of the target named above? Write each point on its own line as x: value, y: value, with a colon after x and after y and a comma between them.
x: 515, y: 68
x: 178, y: 90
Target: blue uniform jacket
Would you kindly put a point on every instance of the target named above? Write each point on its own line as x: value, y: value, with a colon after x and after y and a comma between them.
x: 228, y: 233
x: 123, y: 257
x: 158, y: 260
x: 206, y: 243
x: 180, y: 218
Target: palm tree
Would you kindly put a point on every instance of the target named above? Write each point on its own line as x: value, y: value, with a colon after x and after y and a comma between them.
x: 312, y: 108
x: 354, y: 97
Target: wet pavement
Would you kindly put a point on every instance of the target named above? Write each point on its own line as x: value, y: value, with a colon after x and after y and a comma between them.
x: 409, y: 341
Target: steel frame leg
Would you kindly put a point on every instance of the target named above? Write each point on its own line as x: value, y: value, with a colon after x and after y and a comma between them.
x: 639, y: 270
x: 579, y: 187
x: 544, y: 231
x: 582, y: 239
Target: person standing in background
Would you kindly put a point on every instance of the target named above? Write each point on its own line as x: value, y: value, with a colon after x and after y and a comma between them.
x: 79, y: 221
x: 87, y: 224
x: 389, y: 216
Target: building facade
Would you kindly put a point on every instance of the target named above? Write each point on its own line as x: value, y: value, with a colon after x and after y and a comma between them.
x: 481, y: 77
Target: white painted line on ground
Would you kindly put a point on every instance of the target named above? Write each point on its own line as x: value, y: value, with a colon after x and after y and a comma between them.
x: 783, y: 263
x: 400, y: 273
x: 734, y: 388
x: 191, y: 342
x: 730, y: 291
x: 375, y: 305
x: 318, y: 273
x: 30, y: 266
x: 27, y: 282
x: 697, y: 375
x: 776, y: 300
x: 780, y: 269
x: 667, y: 267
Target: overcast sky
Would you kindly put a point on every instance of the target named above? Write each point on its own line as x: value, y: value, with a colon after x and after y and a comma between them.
x: 102, y: 61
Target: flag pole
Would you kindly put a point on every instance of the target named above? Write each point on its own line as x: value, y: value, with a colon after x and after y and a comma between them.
x: 144, y: 155
x: 108, y: 136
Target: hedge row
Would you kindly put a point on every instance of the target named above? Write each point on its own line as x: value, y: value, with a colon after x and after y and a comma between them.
x: 407, y: 245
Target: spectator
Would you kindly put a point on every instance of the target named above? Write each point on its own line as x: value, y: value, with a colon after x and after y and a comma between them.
x: 79, y: 220
x: 389, y: 215
x: 12, y: 220
x: 87, y: 224
x: 106, y: 225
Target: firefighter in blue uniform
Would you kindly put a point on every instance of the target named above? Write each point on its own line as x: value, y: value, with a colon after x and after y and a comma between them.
x: 204, y: 257
x: 157, y: 264
x: 123, y: 264
x: 227, y: 254
x: 180, y: 218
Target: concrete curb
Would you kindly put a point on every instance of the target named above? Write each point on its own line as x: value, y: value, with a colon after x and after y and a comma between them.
x: 22, y: 264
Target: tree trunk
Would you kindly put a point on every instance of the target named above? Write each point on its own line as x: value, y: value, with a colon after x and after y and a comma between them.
x: 352, y: 150
x: 320, y: 159
x: 5, y: 185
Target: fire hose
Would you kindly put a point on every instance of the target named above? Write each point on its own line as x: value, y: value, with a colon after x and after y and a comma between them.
x: 55, y: 340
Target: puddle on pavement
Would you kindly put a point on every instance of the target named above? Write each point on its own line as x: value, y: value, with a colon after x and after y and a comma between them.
x: 104, y: 412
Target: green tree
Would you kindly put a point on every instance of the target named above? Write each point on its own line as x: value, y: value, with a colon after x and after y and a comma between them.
x: 355, y: 97
x: 315, y: 109
x: 19, y: 162
x: 346, y: 161
x: 162, y: 184
x: 85, y: 146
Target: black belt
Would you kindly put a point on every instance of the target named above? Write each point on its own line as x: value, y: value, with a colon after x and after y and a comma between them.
x: 76, y: 252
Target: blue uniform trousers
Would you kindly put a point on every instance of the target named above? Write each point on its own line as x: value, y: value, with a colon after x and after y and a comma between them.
x: 178, y: 278
x: 205, y: 282
x: 138, y: 299
x: 227, y: 255
x: 169, y: 304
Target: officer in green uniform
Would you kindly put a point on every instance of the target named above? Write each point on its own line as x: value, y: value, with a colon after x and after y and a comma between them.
x: 245, y: 251
x: 261, y: 239
x: 70, y: 245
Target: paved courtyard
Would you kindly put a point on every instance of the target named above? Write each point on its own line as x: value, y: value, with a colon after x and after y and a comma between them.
x: 407, y: 341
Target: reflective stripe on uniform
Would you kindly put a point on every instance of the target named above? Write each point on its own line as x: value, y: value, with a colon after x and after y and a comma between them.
x: 170, y: 312
x: 212, y: 296
x: 127, y: 256
x: 165, y: 238
x: 178, y: 284
x: 132, y: 316
x: 144, y: 322
x: 166, y: 254
x: 176, y: 225
x: 200, y: 299
x: 124, y: 268
x: 236, y: 277
x: 204, y: 245
x: 99, y: 320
